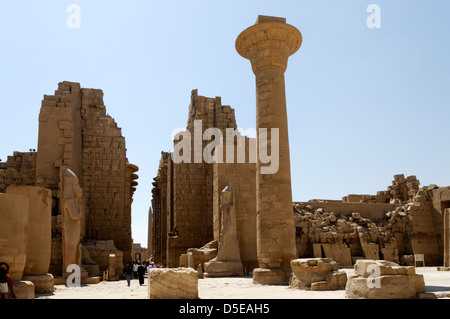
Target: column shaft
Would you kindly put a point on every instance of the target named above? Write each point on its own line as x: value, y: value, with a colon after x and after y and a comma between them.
x: 275, y: 225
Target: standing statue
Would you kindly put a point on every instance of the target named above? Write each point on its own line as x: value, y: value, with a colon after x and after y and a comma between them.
x: 228, y: 261
x: 72, y: 210
x: 228, y: 245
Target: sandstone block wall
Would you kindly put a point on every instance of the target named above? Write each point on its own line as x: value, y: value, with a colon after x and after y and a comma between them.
x: 346, y: 231
x: 18, y: 170
x: 183, y: 193
x: 75, y: 132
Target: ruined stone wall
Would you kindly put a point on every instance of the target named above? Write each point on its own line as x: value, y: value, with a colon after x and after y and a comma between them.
x: 403, y: 189
x: 188, y: 192
x: 370, y: 229
x: 18, y: 170
x: 76, y: 133
x: 104, y: 175
x: 374, y: 210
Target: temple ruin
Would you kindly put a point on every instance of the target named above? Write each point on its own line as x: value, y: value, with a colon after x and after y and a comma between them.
x: 217, y: 207
x: 395, y: 225
x: 78, y: 143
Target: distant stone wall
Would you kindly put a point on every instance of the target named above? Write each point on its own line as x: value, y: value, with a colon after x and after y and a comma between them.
x: 184, y: 192
x: 363, y: 227
x: 375, y: 211
x: 18, y: 170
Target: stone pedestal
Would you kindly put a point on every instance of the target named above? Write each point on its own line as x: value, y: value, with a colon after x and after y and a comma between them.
x: 317, y: 274
x: 274, y: 276
x: 42, y: 283
x: 268, y: 45
x: 223, y: 269
x: 23, y: 289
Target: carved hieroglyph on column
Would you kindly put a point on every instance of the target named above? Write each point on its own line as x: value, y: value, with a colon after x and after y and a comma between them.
x: 268, y: 45
x: 228, y: 260
x: 72, y: 210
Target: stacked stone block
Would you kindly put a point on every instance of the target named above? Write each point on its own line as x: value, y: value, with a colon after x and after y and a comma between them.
x: 183, y: 193
x: 18, y: 170
x: 104, y: 175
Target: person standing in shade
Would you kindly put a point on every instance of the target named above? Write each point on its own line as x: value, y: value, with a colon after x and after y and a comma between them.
x: 127, y: 273
x: 141, y: 272
x: 135, y: 270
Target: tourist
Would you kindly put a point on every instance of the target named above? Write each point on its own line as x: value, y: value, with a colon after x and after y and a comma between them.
x: 5, y: 281
x: 135, y: 270
x: 141, y: 272
x: 127, y: 273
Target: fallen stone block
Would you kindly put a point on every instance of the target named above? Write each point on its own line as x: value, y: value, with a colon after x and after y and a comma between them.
x: 317, y: 274
x: 381, y: 279
x: 172, y: 283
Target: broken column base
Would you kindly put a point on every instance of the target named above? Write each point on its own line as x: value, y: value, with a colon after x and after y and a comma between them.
x: 223, y: 269
x: 381, y: 279
x: 317, y: 274
x: 271, y: 276
x: 23, y: 289
x: 42, y: 283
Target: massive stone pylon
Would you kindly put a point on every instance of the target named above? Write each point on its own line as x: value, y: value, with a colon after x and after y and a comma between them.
x: 268, y: 45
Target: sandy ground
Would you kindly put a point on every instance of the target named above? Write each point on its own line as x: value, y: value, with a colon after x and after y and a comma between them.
x: 437, y: 282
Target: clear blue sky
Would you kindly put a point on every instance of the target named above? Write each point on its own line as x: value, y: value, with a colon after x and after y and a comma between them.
x: 363, y: 104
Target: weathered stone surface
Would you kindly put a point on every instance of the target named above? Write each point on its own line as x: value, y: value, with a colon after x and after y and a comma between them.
x: 317, y: 274
x: 42, y: 283
x: 385, y: 268
x: 23, y: 290
x: 271, y: 276
x: 13, y: 234
x: 172, y: 283
x: 379, y: 279
x: 199, y: 256
x: 39, y: 228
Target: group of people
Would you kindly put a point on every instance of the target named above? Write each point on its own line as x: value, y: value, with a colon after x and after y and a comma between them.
x: 6, y: 281
x: 136, y: 270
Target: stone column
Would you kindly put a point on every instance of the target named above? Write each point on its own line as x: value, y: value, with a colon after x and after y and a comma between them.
x: 268, y: 45
x: 447, y: 237
x: 39, y: 232
x: 13, y: 233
